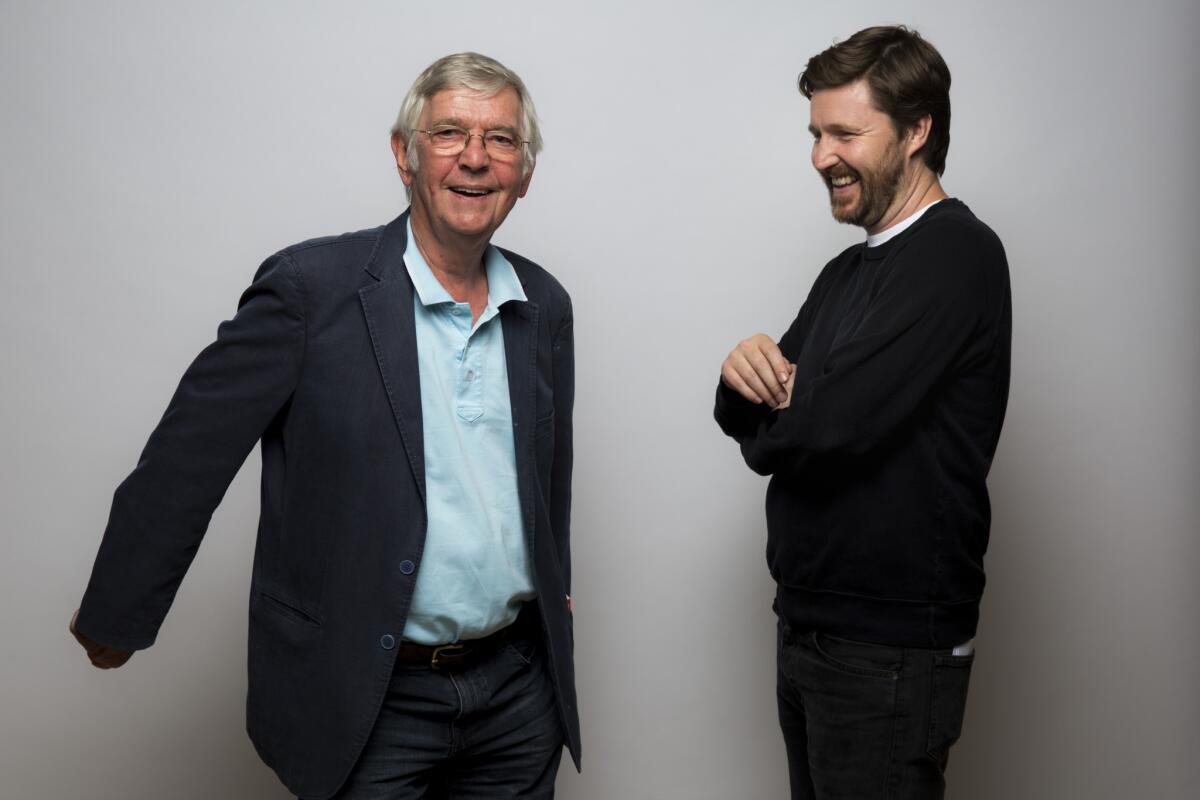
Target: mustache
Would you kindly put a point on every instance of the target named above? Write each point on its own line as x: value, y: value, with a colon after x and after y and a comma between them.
x: 840, y: 171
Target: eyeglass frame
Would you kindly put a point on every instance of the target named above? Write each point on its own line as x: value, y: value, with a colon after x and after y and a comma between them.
x: 523, y: 143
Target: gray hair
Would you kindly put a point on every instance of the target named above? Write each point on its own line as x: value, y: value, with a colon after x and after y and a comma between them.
x: 479, y: 74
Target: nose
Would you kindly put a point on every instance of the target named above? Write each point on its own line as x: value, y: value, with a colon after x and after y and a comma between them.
x: 474, y: 156
x: 824, y: 154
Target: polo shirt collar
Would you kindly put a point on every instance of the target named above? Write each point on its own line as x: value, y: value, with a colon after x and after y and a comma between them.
x: 503, y: 283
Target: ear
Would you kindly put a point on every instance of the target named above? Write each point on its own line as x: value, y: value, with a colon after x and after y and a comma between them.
x: 525, y: 181
x: 918, y: 134
x: 400, y: 151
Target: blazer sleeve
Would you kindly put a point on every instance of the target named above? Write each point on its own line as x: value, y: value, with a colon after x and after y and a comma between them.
x: 224, y: 401
x: 560, y: 474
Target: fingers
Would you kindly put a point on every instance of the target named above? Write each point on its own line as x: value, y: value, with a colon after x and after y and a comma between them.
x: 734, y: 381
x: 102, y: 656
x: 107, y: 658
x: 760, y: 378
x: 757, y: 370
x: 741, y: 376
x: 779, y: 365
x: 788, y: 387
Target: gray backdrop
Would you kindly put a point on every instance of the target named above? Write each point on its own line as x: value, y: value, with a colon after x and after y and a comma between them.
x: 154, y: 155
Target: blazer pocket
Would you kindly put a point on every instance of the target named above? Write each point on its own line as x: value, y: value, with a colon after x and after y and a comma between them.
x: 287, y: 610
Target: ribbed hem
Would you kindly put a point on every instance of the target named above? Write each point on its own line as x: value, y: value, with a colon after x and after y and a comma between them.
x: 868, y: 619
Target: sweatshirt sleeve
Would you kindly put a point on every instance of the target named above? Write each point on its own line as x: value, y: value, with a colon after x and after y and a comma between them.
x: 878, y: 374
x: 737, y: 416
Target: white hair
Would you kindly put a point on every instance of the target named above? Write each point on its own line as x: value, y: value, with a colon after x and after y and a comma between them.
x: 477, y: 73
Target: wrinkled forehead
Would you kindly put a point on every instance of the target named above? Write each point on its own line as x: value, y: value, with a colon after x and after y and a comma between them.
x: 852, y: 104
x: 469, y: 108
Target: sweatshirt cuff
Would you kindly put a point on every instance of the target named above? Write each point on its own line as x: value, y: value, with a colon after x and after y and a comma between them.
x: 734, y: 413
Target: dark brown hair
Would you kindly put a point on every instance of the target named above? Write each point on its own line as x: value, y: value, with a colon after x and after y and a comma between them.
x: 907, y: 77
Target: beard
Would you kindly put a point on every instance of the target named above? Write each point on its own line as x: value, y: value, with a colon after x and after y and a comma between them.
x: 877, y: 185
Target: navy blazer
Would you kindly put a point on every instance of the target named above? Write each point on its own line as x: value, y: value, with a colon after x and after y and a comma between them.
x: 320, y: 364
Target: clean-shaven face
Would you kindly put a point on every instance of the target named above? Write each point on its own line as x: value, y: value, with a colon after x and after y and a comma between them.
x: 857, y: 152
x: 469, y: 194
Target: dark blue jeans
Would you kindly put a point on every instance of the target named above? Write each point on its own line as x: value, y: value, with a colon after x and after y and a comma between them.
x: 865, y: 721
x: 490, y: 730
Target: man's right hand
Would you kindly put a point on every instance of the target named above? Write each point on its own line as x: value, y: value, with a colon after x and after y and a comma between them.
x: 101, y: 655
x: 757, y: 370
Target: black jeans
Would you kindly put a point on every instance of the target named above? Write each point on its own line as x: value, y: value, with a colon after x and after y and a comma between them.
x: 490, y: 730
x: 865, y: 721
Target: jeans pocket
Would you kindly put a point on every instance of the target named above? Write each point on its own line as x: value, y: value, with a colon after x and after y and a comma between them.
x: 859, y: 658
x: 948, y: 704
x: 783, y: 632
x: 521, y: 650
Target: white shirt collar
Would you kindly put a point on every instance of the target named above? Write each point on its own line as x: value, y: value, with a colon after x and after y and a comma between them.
x: 876, y: 239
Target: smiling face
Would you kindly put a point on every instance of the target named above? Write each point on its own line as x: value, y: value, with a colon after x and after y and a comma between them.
x: 464, y: 196
x: 864, y: 162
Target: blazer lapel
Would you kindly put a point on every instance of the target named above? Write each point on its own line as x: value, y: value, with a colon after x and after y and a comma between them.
x: 520, y: 324
x: 388, y: 308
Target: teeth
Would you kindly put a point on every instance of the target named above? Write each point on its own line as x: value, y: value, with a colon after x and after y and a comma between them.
x: 844, y: 180
x: 472, y: 192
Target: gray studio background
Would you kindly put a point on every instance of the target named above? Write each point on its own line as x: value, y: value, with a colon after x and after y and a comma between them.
x: 155, y: 153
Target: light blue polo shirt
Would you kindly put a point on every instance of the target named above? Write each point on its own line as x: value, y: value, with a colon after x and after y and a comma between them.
x: 475, y: 570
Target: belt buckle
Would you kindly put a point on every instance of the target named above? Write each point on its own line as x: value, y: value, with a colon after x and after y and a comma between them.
x: 455, y: 649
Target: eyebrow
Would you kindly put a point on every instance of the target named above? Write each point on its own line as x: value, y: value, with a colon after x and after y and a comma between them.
x: 835, y: 130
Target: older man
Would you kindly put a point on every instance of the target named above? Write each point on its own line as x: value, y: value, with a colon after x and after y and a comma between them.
x: 412, y: 386
x: 877, y: 415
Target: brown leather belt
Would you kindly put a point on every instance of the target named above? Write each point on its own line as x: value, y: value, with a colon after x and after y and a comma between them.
x: 446, y: 657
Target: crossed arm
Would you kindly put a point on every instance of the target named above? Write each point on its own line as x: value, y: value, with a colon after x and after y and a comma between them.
x: 924, y: 319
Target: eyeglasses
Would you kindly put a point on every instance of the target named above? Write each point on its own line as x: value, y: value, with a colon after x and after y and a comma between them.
x: 449, y: 140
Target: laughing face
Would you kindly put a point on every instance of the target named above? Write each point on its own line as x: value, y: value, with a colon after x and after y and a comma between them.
x: 468, y: 195
x: 859, y: 154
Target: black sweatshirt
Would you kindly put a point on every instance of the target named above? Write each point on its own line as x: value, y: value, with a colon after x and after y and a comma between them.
x: 877, y: 509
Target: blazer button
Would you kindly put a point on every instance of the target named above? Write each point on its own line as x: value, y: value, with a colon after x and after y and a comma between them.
x: 387, y: 641
x: 407, y: 567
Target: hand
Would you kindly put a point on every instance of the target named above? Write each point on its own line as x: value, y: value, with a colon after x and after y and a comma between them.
x: 757, y: 370
x: 101, y: 655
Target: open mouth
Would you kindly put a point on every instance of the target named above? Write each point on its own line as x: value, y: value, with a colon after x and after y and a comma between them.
x: 464, y: 191
x: 842, y: 181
